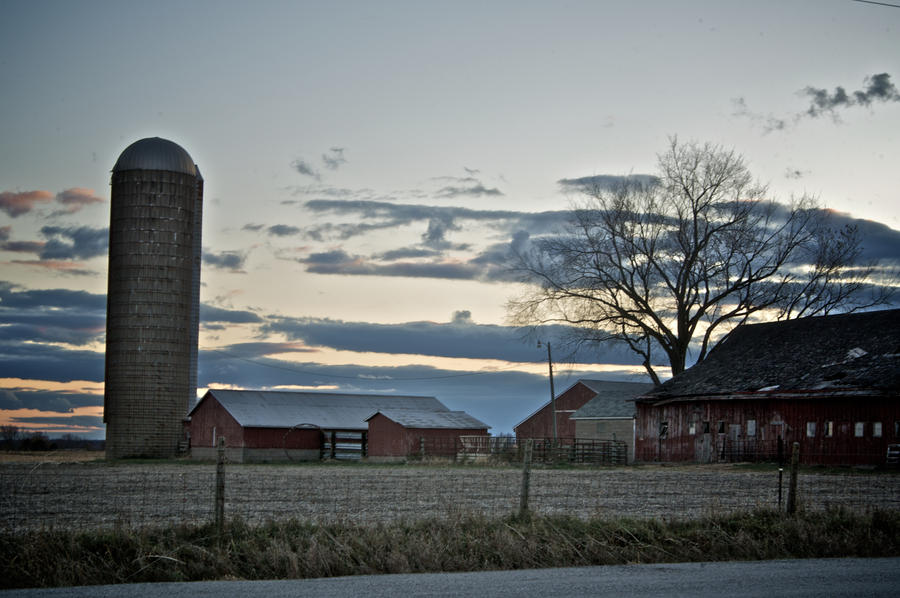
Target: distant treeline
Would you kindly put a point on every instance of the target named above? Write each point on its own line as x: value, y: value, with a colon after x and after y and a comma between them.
x: 14, y: 439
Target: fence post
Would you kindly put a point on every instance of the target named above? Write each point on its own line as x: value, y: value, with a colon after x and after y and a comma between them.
x: 422, y: 447
x: 220, y: 487
x: 526, y: 476
x: 792, y: 488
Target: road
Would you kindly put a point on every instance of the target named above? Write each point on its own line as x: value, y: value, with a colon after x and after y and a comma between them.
x: 794, y: 578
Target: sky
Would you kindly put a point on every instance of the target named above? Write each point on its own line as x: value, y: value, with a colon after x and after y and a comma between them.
x: 368, y: 165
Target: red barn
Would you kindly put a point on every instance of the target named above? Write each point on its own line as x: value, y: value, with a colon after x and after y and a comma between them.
x: 540, y: 423
x: 395, y: 434
x: 830, y: 383
x: 270, y: 426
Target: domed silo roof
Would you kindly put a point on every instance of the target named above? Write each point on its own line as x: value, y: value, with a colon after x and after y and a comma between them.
x: 155, y: 153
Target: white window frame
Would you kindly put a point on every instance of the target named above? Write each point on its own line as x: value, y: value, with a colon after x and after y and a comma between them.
x: 810, y: 429
x: 859, y: 429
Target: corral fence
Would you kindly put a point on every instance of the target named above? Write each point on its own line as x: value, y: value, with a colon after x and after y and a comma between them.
x: 506, y: 449
x: 130, y: 495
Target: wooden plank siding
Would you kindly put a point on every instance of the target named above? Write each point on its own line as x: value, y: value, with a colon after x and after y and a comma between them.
x: 540, y: 423
x: 389, y: 439
x: 737, y: 429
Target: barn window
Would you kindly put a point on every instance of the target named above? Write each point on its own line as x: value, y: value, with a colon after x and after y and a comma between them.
x: 810, y: 429
x: 751, y: 427
x: 663, y: 429
x: 876, y: 429
x: 706, y: 427
x: 692, y: 428
x: 829, y: 429
x: 859, y: 429
x: 721, y: 427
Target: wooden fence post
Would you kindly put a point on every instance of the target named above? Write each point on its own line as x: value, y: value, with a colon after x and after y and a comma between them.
x: 526, y: 476
x: 792, y: 488
x: 220, y: 488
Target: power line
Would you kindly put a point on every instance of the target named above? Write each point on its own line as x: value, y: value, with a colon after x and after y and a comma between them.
x: 358, y: 377
x: 878, y: 3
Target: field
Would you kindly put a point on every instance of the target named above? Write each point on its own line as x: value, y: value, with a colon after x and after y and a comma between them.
x: 92, y: 495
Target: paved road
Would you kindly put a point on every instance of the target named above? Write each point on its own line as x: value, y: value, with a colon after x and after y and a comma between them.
x: 794, y: 578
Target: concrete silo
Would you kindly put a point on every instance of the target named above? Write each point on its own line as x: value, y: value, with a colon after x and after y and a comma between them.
x: 153, y: 298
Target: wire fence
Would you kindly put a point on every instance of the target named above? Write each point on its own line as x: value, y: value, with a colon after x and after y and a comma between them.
x: 99, y: 496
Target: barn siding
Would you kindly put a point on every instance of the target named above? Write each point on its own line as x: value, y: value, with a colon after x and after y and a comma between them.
x: 386, y: 438
x: 540, y: 424
x: 608, y: 429
x: 774, y: 417
x: 210, y: 414
x: 390, y: 440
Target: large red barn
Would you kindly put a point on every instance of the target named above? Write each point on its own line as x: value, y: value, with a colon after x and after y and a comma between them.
x: 830, y: 383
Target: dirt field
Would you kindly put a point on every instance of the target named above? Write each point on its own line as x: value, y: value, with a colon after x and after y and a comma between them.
x: 92, y: 494
x: 65, y: 456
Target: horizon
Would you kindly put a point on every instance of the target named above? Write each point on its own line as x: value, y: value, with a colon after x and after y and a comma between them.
x: 367, y: 168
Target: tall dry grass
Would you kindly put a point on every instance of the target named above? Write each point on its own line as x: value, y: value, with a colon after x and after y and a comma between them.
x: 288, y: 550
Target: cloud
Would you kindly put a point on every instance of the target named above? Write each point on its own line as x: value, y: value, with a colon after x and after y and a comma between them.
x: 47, y: 400
x: 23, y: 246
x: 253, y: 227
x: 68, y: 422
x: 476, y: 190
x: 226, y: 260
x: 17, y: 203
x: 212, y: 314
x: 305, y: 169
x: 334, y: 159
x: 282, y: 230
x: 459, y: 338
x: 54, y: 316
x: 876, y: 88
x: 606, y: 182
x: 76, y: 198
x: 81, y: 242
x: 406, y: 253
x: 38, y: 361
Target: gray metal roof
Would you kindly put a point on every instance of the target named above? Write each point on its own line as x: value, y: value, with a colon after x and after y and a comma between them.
x: 614, y: 399
x: 331, y: 411
x: 417, y: 418
x: 155, y: 153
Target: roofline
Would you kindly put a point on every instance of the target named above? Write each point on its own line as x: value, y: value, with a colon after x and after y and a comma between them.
x: 601, y: 417
x: 804, y: 395
x: 484, y: 426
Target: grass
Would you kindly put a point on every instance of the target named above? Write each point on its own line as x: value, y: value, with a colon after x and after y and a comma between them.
x: 290, y: 550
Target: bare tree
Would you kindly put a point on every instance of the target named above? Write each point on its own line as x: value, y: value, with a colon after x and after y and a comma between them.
x: 672, y: 266
x: 9, y: 434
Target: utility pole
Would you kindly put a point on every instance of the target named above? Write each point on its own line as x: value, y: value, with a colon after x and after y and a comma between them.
x: 552, y: 394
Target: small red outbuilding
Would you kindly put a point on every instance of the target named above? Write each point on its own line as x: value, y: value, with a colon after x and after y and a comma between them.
x: 395, y: 434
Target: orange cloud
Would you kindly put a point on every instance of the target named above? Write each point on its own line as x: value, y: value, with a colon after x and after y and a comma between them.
x: 76, y: 198
x: 16, y: 204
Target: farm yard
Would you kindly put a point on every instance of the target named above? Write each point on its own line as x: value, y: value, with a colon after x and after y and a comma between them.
x: 97, y: 495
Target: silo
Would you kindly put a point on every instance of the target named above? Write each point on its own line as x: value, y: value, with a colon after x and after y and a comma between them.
x: 153, y: 298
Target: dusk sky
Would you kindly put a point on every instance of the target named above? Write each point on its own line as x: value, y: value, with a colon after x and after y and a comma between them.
x: 368, y: 166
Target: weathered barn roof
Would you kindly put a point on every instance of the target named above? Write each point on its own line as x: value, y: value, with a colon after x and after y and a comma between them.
x: 613, y: 399
x: 417, y: 418
x: 330, y: 411
x: 847, y: 352
x: 155, y: 153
